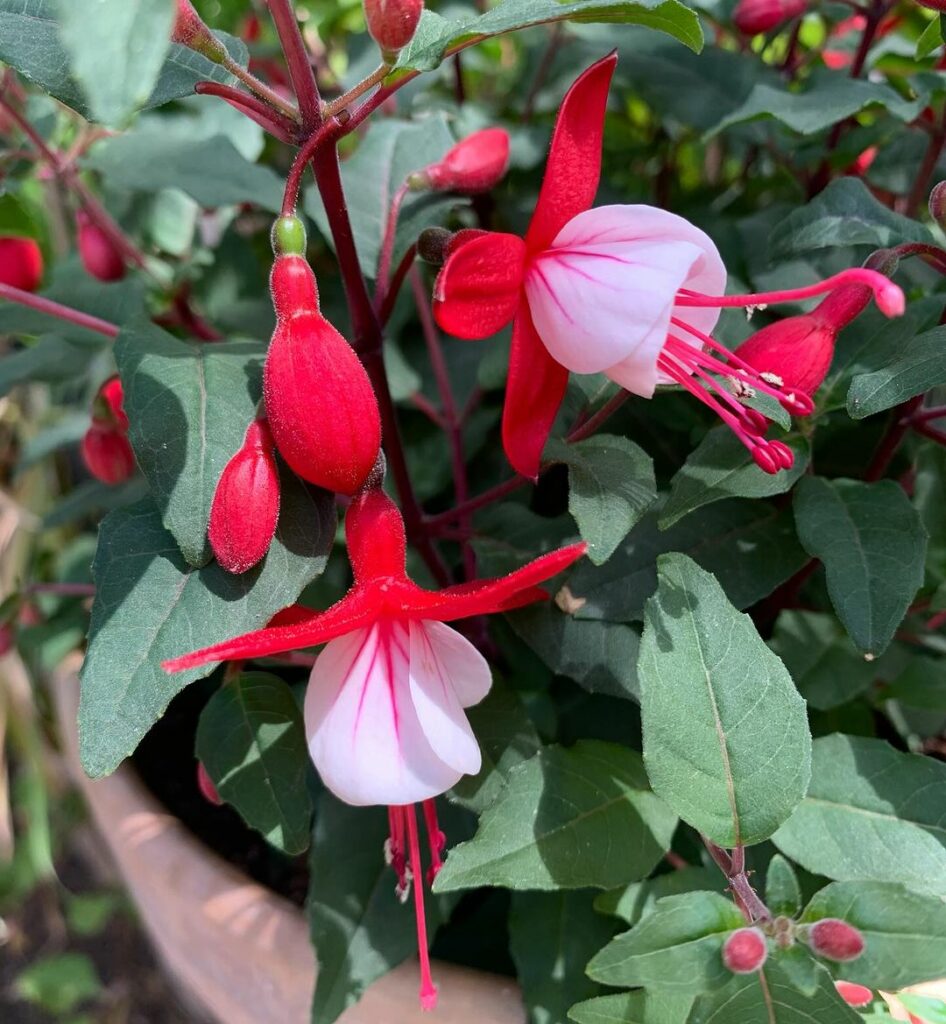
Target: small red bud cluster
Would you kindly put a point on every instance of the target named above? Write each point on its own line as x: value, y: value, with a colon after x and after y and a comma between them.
x: 834, y: 939
x: 745, y: 950
x: 106, y: 450
x: 392, y: 24
x: 753, y: 17
x: 190, y: 31
x: 99, y: 254
x: 21, y: 263
x: 473, y: 165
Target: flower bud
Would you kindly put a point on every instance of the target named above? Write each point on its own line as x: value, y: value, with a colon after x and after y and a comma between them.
x: 21, y: 263
x: 190, y: 31
x: 206, y: 786
x: 392, y: 24
x: 98, y: 252
x: 745, y: 950
x: 432, y: 245
x: 474, y: 165
x: 854, y: 995
x: 752, y: 17
x: 108, y: 408
x: 937, y: 203
x: 835, y: 939
x: 245, y: 508
x: 107, y: 454
x: 319, y: 401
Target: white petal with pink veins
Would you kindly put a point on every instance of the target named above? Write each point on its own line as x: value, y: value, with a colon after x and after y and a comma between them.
x: 364, y: 733
x: 603, y: 293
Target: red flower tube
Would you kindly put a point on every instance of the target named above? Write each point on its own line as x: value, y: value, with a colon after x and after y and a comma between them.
x: 97, y: 251
x: 21, y: 263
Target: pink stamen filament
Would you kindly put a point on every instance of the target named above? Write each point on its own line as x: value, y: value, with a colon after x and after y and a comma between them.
x: 398, y: 849
x: 428, y: 991
x: 435, y: 838
x: 887, y: 295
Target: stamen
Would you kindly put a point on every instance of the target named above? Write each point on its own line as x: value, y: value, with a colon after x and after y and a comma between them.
x: 428, y: 990
x: 887, y: 295
x: 395, y: 852
x: 436, y: 840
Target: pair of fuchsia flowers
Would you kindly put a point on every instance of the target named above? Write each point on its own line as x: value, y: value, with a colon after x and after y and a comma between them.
x: 630, y: 291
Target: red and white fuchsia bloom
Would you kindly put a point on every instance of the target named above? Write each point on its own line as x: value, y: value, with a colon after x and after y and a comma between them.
x: 384, y: 708
x: 629, y: 291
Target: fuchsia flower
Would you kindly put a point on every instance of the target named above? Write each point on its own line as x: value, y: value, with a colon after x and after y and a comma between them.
x: 630, y: 291
x: 384, y: 708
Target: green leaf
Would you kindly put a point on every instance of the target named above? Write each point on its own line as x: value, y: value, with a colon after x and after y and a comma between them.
x: 828, y: 99
x: 552, y: 935
x: 637, y: 900
x: 721, y: 467
x: 211, y: 171
x: 389, y: 152
x: 919, y: 366
x: 625, y: 1008
x: 726, y: 739
x: 845, y: 213
x: 189, y: 405
x: 921, y: 684
x: 770, y: 996
x: 252, y: 742
x: 435, y: 34
x: 506, y: 737
x: 610, y: 486
x: 676, y: 948
x: 116, y: 50
x: 89, y: 913
x: 782, y: 891
x: 58, y: 984
x: 151, y: 605
x: 751, y: 548
x: 871, y: 814
x: 599, y: 656
x: 904, y: 933
x: 873, y: 547
x: 51, y: 359
x: 929, y: 1011
x: 30, y: 42
x: 359, y: 928
x: 567, y: 819
x: 930, y: 39
x: 827, y: 668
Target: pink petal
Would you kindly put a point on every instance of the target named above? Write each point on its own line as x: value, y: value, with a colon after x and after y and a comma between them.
x: 444, y: 668
x: 364, y: 734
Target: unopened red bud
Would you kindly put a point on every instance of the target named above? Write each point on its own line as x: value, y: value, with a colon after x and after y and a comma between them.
x: 206, y: 786
x: 854, y: 995
x: 190, y: 31
x: 319, y: 401
x: 938, y: 203
x: 245, y: 508
x: 107, y: 454
x: 745, y: 950
x: 108, y: 408
x: 98, y: 252
x: 392, y: 24
x: 752, y: 17
x: 835, y: 939
x: 21, y: 263
x: 474, y: 165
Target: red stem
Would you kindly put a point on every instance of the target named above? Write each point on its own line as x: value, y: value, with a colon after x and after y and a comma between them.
x: 387, y: 245
x: 391, y: 293
x: 900, y: 424
x: 939, y: 436
x: 297, y: 60
x: 276, y: 124
x: 307, y: 152
x: 73, y: 316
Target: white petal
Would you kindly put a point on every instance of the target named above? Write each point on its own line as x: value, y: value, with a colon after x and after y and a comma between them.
x: 435, y: 700
x: 604, y: 290
x: 468, y: 671
x: 364, y: 734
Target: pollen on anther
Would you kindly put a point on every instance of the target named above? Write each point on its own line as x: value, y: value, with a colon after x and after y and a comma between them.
x: 772, y: 378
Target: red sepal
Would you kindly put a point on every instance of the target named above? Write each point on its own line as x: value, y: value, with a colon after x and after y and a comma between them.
x: 534, y: 391
x: 574, y: 163
x: 479, y: 287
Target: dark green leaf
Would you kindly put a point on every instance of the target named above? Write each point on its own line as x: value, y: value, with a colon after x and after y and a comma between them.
x: 721, y: 467
x: 567, y: 819
x: 639, y: 898
x: 188, y: 406
x: 251, y: 740
x: 919, y: 366
x: 904, y: 933
x: 51, y: 359
x: 676, y: 948
x: 625, y: 1008
x: 873, y: 546
x: 552, y: 935
x: 931, y: 39
x: 610, y: 486
x: 726, y: 739
x: 129, y: 38
x: 150, y: 605
x: 782, y: 891
x: 921, y: 684
x: 871, y: 814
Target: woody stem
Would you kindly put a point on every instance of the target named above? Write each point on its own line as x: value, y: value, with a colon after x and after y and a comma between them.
x: 297, y: 60
x: 733, y: 865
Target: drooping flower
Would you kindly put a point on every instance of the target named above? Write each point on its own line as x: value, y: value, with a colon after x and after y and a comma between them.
x: 21, y: 263
x: 630, y: 291
x: 384, y: 707
x: 245, y: 507
x: 98, y: 252
x: 105, y: 447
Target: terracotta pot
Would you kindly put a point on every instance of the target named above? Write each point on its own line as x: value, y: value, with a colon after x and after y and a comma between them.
x: 238, y: 951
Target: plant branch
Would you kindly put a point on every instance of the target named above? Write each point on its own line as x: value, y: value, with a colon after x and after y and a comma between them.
x: 397, y: 279
x: 56, y: 309
x: 387, y: 244
x: 297, y: 60
x: 270, y: 120
x: 897, y: 430
x: 307, y: 152
x: 733, y: 866
x: 268, y: 95
x: 375, y: 78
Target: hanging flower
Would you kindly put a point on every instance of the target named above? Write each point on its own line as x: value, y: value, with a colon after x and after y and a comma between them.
x: 105, y: 448
x: 384, y: 711
x: 629, y: 291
